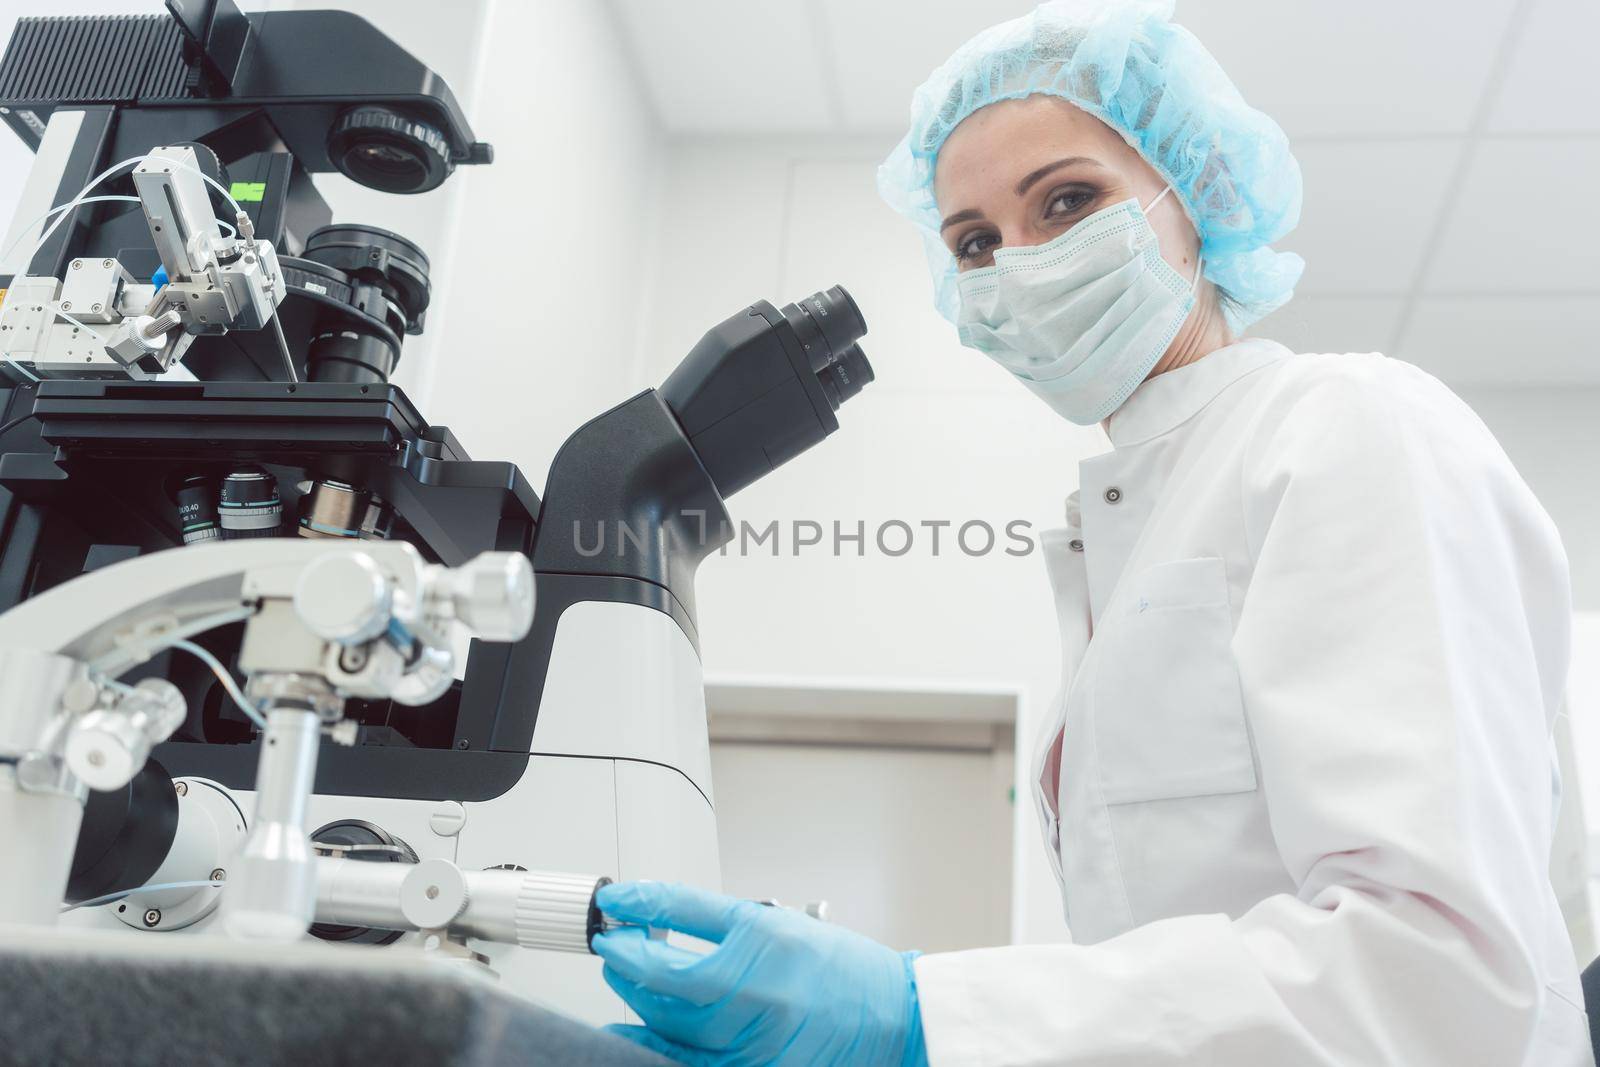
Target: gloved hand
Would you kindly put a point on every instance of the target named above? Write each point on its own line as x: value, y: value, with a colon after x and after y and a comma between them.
x: 780, y: 987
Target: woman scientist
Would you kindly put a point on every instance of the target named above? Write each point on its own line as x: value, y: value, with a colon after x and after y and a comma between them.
x: 1298, y: 785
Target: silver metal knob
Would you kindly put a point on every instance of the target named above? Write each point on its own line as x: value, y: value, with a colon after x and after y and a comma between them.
x: 344, y: 597
x: 108, y: 746
x: 492, y: 594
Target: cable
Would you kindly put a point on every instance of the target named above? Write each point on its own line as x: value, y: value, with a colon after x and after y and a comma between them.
x: 58, y: 208
x: 84, y: 198
x: 64, y: 211
x: 160, y: 887
x: 26, y: 373
x: 124, y: 657
x: 81, y: 198
x: 225, y: 678
x: 11, y: 424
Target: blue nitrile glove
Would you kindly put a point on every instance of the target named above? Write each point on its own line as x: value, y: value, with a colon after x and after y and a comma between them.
x: 780, y: 986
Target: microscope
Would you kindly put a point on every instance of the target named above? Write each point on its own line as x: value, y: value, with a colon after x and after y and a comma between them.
x: 278, y: 660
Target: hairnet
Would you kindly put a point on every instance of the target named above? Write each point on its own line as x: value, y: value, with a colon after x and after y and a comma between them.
x: 1129, y: 65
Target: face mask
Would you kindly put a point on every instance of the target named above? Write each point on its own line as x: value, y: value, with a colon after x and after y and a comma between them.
x: 1079, y: 320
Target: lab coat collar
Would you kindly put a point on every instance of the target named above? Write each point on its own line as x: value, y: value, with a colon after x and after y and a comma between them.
x: 1168, y: 400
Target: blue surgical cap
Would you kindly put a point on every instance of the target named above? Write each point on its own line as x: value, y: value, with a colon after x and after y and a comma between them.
x: 1129, y: 65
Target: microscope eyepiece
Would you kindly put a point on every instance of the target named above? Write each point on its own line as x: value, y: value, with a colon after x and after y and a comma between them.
x: 827, y: 323
x: 846, y: 376
x: 762, y: 386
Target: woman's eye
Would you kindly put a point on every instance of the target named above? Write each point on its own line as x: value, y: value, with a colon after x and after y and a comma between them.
x: 975, y: 246
x: 1067, y: 202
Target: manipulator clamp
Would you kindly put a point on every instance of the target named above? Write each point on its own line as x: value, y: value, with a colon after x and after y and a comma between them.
x: 321, y: 625
x: 214, y: 283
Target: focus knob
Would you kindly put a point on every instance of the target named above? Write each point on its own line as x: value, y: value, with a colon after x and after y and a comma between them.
x: 108, y: 746
x: 492, y: 594
x: 344, y: 597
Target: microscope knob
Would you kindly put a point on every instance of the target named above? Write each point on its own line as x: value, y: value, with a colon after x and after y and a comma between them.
x: 344, y: 597
x: 105, y: 750
x: 433, y: 894
x: 492, y: 593
x: 108, y: 746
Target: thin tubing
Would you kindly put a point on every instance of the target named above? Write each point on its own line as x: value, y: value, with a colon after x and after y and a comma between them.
x: 225, y: 678
x: 64, y: 210
x: 83, y: 198
x: 96, y: 334
x: 23, y: 236
x: 112, y: 662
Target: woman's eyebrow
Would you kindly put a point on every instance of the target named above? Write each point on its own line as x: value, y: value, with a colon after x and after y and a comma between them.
x: 960, y: 216
x: 1049, y: 168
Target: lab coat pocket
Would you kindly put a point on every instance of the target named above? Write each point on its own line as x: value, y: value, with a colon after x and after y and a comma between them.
x: 1168, y: 714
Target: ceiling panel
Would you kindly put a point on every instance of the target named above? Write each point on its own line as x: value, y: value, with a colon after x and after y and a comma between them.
x: 728, y: 66
x: 1357, y: 232
x: 882, y: 50
x: 1333, y: 324
x: 748, y: 65
x: 1550, y: 84
x: 1525, y: 222
x: 1356, y: 68
x: 1529, y: 340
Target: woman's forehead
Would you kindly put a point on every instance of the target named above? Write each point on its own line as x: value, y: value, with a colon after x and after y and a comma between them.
x: 1010, y: 138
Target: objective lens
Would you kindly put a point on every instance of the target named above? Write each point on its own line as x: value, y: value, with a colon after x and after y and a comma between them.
x: 846, y: 376
x: 333, y: 509
x: 250, y: 506
x: 196, y: 498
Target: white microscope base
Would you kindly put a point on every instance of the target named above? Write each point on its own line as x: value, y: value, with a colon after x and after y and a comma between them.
x: 624, y: 682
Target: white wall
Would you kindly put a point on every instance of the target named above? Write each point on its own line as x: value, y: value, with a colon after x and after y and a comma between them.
x: 909, y: 846
x: 1553, y: 437
x: 539, y: 318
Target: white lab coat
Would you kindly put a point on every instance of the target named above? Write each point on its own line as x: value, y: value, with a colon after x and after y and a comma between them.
x: 1303, y: 768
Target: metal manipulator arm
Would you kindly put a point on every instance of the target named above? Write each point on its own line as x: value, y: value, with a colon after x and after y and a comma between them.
x: 214, y: 283
x: 322, y: 623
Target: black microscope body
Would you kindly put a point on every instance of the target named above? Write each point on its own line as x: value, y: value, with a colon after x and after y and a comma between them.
x: 96, y: 470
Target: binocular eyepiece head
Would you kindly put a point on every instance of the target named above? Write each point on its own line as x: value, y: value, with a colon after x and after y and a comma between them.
x: 762, y: 386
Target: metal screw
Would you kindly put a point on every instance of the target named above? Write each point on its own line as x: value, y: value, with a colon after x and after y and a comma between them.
x: 77, y: 263
x: 1076, y: 544
x: 66, y: 305
x: 181, y: 788
x: 432, y: 892
x: 1113, y: 495
x: 105, y: 263
x: 94, y: 307
x: 96, y: 758
x: 353, y: 659
x: 152, y: 917
x: 219, y: 875
x: 463, y: 744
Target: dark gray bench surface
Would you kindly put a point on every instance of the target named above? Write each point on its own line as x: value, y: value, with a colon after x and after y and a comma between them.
x: 177, y: 1001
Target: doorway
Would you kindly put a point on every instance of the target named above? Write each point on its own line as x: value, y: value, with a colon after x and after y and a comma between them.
x: 894, y: 806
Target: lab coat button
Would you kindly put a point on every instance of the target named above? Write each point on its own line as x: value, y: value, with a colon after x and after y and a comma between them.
x: 1076, y: 544
x: 1113, y: 495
